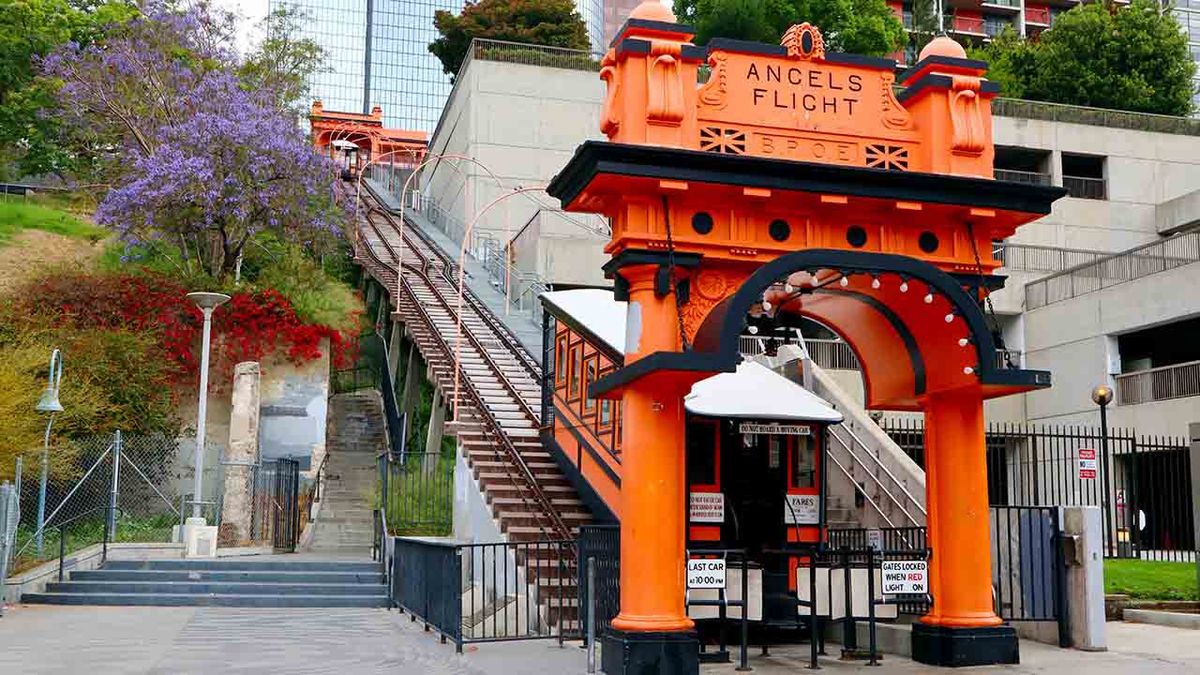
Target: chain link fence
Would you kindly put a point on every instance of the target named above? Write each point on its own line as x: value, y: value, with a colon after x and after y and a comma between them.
x: 140, y: 476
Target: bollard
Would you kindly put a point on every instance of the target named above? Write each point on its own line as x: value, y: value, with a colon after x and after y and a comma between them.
x: 743, y: 665
x: 871, y: 606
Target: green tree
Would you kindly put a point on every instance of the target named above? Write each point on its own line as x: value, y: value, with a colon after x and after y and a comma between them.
x: 855, y: 26
x: 32, y: 142
x: 284, y: 61
x: 1100, y: 55
x: 553, y: 23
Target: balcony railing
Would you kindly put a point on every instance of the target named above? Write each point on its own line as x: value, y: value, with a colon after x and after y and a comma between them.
x: 1003, y: 3
x: 1152, y: 258
x: 968, y: 25
x: 1037, y: 15
x: 1101, y: 117
x: 1030, y: 258
x: 1159, y: 384
x: 1085, y: 188
x: 1027, y: 177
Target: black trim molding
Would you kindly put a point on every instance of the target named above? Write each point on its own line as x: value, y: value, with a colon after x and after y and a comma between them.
x: 661, y: 26
x: 933, y: 81
x: 925, y: 63
x: 595, y: 158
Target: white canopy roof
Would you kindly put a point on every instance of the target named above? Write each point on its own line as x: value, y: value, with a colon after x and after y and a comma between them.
x: 753, y: 391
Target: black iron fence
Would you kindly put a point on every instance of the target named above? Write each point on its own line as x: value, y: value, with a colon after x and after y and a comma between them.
x: 1141, y: 483
x: 600, y: 544
x: 1027, y: 565
x: 417, y: 492
x: 891, y: 543
x: 285, y: 505
x: 488, y: 592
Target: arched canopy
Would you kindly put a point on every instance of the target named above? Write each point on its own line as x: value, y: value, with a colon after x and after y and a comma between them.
x: 914, y: 328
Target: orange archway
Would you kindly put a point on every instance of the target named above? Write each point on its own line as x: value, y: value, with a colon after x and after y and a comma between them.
x: 796, y: 180
x: 354, y: 139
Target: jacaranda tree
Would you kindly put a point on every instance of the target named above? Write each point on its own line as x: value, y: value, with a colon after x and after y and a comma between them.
x: 200, y: 160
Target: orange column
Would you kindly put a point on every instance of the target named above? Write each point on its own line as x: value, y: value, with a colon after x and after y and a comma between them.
x: 653, y: 576
x: 957, y: 500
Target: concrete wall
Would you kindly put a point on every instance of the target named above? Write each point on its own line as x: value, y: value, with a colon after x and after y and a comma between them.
x: 1076, y: 340
x: 522, y: 122
x: 1143, y: 169
x: 291, y: 423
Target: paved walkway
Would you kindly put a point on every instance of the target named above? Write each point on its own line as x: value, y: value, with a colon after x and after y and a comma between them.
x: 39, y: 639
x: 42, y: 639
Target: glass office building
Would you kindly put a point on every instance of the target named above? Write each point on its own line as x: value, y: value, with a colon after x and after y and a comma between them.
x: 378, y: 55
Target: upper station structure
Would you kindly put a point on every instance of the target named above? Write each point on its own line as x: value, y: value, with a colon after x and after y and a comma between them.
x: 798, y: 181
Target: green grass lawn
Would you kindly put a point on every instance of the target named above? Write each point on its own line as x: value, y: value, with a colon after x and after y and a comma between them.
x: 1150, y: 580
x: 17, y: 215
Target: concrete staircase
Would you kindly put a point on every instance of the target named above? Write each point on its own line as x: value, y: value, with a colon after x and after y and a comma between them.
x: 355, y: 436
x: 221, y: 582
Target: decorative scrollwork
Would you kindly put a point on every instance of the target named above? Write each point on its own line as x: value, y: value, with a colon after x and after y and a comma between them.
x: 664, y: 84
x: 713, y: 93
x: 966, y: 116
x: 804, y: 41
x: 894, y: 114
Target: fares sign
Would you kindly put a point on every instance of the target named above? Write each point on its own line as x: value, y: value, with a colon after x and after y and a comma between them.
x: 803, y: 104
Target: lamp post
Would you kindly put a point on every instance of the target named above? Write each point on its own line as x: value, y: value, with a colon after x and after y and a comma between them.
x: 1102, y: 395
x: 207, y: 302
x: 48, y: 403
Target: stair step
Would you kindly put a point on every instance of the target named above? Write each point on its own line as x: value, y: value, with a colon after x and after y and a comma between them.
x: 245, y: 565
x: 213, y: 588
x: 158, y: 576
x: 197, y: 600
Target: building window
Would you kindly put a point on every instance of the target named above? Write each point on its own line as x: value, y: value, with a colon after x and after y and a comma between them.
x: 1022, y: 165
x: 560, y: 360
x: 1083, y: 176
x: 702, y: 453
x: 589, y: 403
x: 804, y: 462
x: 575, y: 372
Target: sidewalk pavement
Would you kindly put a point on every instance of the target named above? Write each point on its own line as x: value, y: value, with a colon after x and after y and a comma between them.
x: 52, y: 640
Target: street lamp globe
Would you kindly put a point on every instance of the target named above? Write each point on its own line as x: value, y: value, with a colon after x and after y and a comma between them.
x: 1102, y: 395
x: 205, y: 300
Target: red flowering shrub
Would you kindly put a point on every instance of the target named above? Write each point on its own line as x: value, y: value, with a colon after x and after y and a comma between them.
x: 250, y: 327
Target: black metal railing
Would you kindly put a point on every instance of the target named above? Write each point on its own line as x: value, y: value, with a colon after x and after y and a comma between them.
x: 66, y: 526
x: 1027, y: 565
x: 417, y: 492
x: 897, y: 541
x: 350, y: 380
x: 601, y: 544
x: 488, y: 592
x: 285, y: 506
x: 1141, y: 483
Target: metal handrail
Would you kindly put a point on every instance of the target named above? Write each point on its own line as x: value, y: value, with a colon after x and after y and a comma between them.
x: 1157, y: 256
x: 1162, y: 383
x: 62, y: 533
x: 317, y: 479
x: 490, y: 424
x: 449, y: 272
x: 879, y: 465
x: 846, y: 472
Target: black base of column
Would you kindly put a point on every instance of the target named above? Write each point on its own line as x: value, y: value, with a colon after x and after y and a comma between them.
x: 627, y: 653
x: 955, y: 647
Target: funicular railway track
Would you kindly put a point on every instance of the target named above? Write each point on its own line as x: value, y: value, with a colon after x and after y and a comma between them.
x: 498, y: 423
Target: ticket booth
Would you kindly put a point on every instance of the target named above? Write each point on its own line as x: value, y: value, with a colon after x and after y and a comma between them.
x: 756, y: 446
